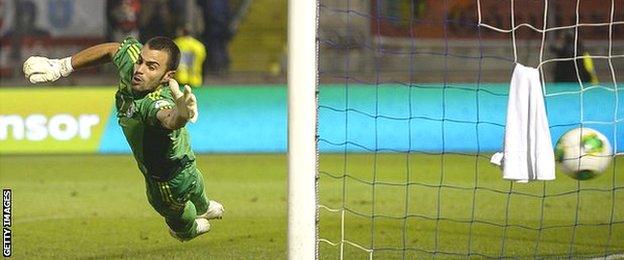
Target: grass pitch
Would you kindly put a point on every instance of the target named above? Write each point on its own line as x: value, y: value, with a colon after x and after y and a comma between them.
x: 94, y: 207
x: 454, y: 206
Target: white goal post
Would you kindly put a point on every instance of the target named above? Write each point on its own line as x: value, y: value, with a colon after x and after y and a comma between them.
x: 302, y: 130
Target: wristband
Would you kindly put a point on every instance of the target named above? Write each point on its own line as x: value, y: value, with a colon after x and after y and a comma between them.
x: 66, y: 66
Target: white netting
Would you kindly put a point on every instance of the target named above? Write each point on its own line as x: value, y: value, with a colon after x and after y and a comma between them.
x: 412, y: 105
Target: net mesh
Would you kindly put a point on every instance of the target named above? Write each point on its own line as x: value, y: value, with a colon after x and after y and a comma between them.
x: 412, y: 105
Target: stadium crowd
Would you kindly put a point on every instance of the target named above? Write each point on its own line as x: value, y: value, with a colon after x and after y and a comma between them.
x: 207, y: 22
x: 145, y: 19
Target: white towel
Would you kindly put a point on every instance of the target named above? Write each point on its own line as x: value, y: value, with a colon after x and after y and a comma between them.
x: 528, y: 152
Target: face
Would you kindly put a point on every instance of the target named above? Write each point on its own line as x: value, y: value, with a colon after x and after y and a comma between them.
x: 150, y: 70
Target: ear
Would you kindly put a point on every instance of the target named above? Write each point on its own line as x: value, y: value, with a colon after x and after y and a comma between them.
x: 168, y: 75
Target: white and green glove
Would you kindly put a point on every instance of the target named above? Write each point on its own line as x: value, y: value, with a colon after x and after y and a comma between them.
x: 43, y: 70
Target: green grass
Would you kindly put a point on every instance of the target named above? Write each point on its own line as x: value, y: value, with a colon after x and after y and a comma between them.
x: 93, y: 206
x: 449, y: 217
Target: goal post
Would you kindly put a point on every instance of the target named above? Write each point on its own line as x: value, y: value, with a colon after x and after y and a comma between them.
x: 302, y: 111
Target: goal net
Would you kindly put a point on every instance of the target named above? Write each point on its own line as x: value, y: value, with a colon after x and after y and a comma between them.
x: 412, y: 105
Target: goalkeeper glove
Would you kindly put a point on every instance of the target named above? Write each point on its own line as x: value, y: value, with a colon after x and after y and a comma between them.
x: 185, y: 102
x: 43, y: 70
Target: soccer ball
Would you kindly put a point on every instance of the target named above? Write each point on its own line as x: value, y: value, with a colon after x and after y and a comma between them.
x: 583, y: 153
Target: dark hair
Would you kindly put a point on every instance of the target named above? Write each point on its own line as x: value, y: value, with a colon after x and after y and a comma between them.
x: 160, y: 43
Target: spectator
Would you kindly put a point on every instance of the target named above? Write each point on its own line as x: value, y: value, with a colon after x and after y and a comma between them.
x: 216, y: 35
x: 192, y: 56
x: 25, y: 22
x: 180, y: 17
x: 122, y: 17
x: 155, y: 19
x: 24, y: 27
x: 565, y: 70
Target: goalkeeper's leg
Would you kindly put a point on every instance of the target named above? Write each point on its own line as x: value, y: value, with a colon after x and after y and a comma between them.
x: 208, y: 209
x: 170, y: 200
x: 182, y: 224
x: 198, y: 195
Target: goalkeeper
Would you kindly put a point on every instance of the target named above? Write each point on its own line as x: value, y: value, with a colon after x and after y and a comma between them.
x: 152, y: 112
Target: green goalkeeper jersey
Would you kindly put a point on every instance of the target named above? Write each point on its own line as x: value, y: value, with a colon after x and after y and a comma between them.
x: 160, y: 153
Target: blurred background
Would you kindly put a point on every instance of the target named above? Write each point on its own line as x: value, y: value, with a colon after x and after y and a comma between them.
x: 454, y: 58
x: 245, y: 40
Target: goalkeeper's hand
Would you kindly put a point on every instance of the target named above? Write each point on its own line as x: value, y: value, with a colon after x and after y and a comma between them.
x: 186, y: 102
x: 43, y: 70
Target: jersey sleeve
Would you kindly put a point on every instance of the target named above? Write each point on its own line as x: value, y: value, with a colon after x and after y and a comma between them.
x: 126, y: 56
x: 155, y: 102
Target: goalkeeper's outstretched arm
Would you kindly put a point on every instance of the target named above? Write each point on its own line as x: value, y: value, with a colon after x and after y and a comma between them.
x: 44, y: 70
x: 185, y: 108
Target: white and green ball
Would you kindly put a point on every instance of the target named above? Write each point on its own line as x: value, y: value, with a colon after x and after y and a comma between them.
x: 583, y: 153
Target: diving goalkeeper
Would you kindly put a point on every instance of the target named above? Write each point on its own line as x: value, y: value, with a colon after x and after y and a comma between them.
x: 152, y: 112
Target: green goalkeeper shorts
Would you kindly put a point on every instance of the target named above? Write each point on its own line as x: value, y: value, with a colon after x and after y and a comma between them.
x: 179, y: 200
